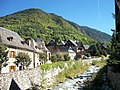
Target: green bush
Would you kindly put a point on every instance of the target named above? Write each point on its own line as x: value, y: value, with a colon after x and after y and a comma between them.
x: 94, y: 62
x: 76, y: 68
x: 60, y: 57
x: 54, y: 58
x: 53, y: 65
x: 66, y: 57
x: 46, y: 66
x: 99, y: 63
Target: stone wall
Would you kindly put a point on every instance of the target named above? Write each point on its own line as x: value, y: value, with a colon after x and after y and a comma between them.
x: 114, y: 79
x: 36, y: 75
x: 25, y: 77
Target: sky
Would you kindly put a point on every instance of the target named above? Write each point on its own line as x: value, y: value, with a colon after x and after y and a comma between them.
x: 96, y: 14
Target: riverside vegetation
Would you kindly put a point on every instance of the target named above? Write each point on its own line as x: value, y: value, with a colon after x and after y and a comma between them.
x: 70, y: 69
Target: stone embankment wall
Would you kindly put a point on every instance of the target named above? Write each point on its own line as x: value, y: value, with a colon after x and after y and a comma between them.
x: 114, y: 79
x: 25, y: 78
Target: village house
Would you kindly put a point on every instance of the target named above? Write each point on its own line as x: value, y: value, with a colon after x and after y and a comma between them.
x: 72, y: 48
x: 53, y: 47
x: 16, y: 44
x: 43, y: 48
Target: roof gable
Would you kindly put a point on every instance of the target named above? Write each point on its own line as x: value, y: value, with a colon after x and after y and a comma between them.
x: 12, y: 39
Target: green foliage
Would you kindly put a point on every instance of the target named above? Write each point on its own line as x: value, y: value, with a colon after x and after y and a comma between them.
x: 76, y: 68
x: 3, y: 56
x: 97, y: 50
x: 60, y: 64
x: 95, y: 34
x: 114, y: 60
x: 99, y: 63
x: 66, y: 57
x: 37, y: 24
x: 46, y: 66
x: 43, y: 56
x: 60, y: 57
x: 23, y: 58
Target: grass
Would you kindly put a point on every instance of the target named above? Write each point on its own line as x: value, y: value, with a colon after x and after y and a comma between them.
x: 101, y: 63
x: 77, y: 68
x: 73, y: 68
x: 60, y: 64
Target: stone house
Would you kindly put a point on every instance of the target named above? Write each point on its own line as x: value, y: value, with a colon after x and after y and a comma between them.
x: 78, y: 48
x: 43, y: 48
x: 16, y: 44
x: 53, y: 47
x: 72, y: 48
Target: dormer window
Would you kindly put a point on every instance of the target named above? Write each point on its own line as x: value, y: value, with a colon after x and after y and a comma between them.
x: 23, y: 42
x: 36, y: 47
x: 10, y: 38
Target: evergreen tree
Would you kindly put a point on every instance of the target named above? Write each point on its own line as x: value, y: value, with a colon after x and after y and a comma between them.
x: 114, y: 60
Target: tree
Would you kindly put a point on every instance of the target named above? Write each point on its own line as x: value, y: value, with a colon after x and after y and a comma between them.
x: 114, y: 60
x: 42, y: 56
x: 66, y: 57
x: 3, y: 56
x: 23, y: 59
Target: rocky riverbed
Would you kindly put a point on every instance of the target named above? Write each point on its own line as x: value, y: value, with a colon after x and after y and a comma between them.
x: 78, y: 82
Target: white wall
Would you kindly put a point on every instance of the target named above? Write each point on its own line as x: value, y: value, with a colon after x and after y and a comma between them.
x: 12, y: 60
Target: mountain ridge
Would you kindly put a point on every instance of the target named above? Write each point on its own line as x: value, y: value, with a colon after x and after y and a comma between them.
x: 92, y: 33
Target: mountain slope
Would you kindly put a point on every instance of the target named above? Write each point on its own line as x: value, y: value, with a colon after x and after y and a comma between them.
x: 36, y: 23
x: 92, y: 33
x: 95, y: 34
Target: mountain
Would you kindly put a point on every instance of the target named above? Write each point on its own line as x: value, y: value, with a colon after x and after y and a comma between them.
x: 95, y: 34
x: 36, y: 23
x: 92, y: 33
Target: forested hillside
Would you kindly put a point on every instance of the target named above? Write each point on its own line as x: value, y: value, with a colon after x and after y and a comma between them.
x: 36, y: 23
x: 92, y: 33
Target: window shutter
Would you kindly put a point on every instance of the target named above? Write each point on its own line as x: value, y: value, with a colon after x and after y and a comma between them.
x: 14, y: 54
x: 10, y: 54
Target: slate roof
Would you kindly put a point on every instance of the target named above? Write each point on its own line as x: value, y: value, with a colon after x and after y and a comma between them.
x: 73, y: 42
x: 41, y: 45
x: 52, y: 43
x: 86, y: 47
x: 16, y: 41
x: 79, y: 44
x: 65, y: 49
x: 70, y: 43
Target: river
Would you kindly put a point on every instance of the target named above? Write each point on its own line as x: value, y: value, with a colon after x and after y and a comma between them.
x: 77, y: 82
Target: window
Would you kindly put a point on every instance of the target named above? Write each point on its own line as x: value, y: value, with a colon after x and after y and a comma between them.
x: 10, y: 38
x: 23, y: 42
x: 12, y: 54
x: 12, y: 68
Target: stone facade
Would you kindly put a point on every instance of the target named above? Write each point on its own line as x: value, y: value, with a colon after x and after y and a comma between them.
x: 15, y: 44
x: 25, y: 77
